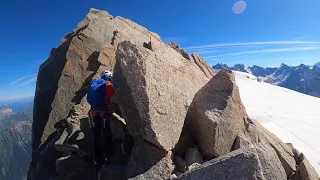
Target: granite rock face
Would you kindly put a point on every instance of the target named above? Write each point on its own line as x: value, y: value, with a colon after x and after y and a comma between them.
x: 241, y: 164
x: 157, y: 88
x: 82, y: 54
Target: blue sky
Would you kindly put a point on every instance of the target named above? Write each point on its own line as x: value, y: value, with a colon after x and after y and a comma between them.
x: 266, y: 33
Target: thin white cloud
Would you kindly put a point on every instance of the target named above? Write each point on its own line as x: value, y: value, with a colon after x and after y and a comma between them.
x: 31, y: 80
x: 299, y: 38
x: 202, y: 52
x: 246, y: 44
x: 20, y: 79
x: 306, y: 48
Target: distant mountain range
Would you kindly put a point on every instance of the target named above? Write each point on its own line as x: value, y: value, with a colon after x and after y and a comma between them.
x: 8, y: 117
x: 15, y: 151
x: 302, y: 78
x: 5, y: 112
x: 18, y: 105
x: 15, y: 143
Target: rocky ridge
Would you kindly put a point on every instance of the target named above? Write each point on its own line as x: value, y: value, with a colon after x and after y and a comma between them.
x: 186, y: 122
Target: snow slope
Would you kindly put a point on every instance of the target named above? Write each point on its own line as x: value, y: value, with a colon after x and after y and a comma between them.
x: 292, y: 116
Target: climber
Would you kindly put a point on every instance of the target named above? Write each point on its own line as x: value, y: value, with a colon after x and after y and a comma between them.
x: 99, y: 94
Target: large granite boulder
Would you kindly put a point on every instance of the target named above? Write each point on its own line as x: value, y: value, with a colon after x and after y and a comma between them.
x: 305, y: 169
x: 242, y: 164
x: 218, y: 122
x: 217, y: 115
x: 255, y: 134
x: 154, y: 91
x: 270, y: 162
x: 148, y: 161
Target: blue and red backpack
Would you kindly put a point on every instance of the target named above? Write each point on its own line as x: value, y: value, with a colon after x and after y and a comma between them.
x: 100, y: 93
x: 97, y: 93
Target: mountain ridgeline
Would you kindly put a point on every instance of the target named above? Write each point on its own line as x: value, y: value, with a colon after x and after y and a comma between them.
x: 15, y: 143
x: 15, y: 151
x: 302, y: 78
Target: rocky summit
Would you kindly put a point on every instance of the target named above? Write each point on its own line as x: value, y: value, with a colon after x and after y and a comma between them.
x: 174, y: 118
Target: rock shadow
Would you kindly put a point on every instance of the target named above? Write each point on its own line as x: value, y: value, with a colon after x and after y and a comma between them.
x: 93, y: 65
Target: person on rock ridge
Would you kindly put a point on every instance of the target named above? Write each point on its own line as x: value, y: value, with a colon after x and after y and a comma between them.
x: 99, y: 93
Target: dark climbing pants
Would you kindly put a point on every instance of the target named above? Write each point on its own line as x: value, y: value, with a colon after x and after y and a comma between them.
x: 102, y: 138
